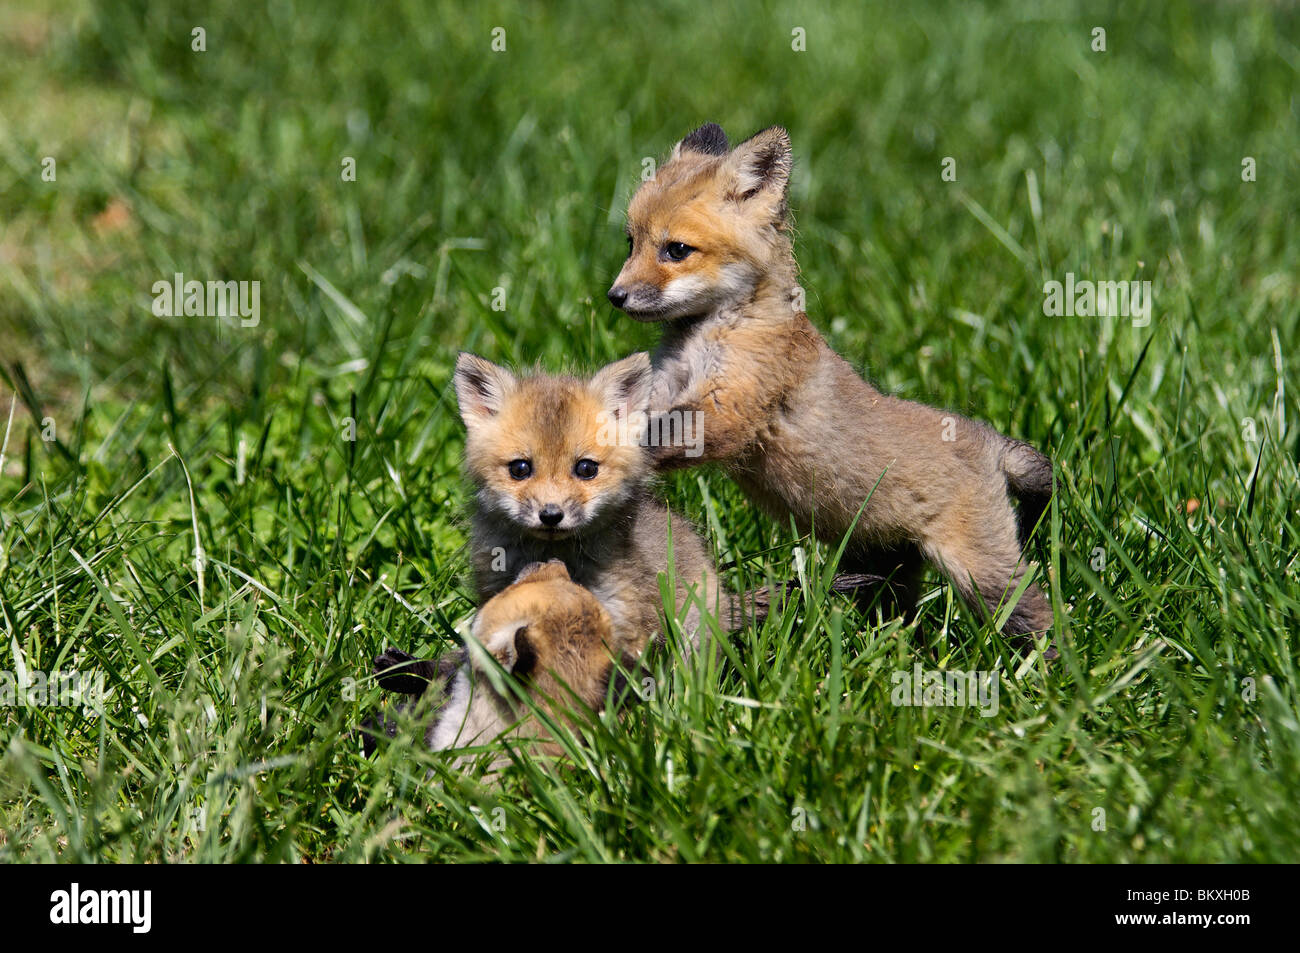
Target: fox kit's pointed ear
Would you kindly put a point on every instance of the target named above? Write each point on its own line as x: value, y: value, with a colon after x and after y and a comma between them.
x: 512, y: 648
x: 761, y: 164
x: 625, y: 384
x: 481, y: 387
x: 708, y: 140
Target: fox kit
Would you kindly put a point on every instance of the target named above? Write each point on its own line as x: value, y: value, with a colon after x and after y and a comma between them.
x: 552, y: 635
x: 710, y: 257
x: 560, y: 473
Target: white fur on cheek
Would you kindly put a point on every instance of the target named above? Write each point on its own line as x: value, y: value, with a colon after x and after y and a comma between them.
x: 685, y: 289
x: 690, y: 292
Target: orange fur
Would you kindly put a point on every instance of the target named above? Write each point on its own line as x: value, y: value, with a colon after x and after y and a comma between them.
x: 550, y: 634
x: 799, y: 430
x: 608, y: 530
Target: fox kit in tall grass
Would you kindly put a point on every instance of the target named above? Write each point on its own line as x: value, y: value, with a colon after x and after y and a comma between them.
x: 710, y: 257
x: 553, y: 636
x: 561, y: 473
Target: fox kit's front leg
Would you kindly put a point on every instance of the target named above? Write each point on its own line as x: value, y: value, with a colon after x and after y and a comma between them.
x: 729, y: 378
x: 713, y: 413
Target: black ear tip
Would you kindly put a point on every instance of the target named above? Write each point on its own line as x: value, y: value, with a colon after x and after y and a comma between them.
x: 709, y: 139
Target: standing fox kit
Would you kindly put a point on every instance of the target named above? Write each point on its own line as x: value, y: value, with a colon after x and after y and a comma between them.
x: 710, y: 257
x: 560, y: 473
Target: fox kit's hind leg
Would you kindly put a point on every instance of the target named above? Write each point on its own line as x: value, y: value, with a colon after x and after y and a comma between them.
x: 978, y: 549
x: 899, y: 568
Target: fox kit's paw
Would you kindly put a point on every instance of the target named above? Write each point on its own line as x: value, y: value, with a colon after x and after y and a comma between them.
x: 669, y: 457
x: 659, y: 453
x: 663, y: 392
x: 402, y: 673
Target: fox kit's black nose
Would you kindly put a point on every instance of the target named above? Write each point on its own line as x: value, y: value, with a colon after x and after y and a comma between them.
x: 550, y: 515
x: 617, y: 296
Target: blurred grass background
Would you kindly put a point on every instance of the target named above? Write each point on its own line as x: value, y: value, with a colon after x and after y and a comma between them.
x: 1173, y: 547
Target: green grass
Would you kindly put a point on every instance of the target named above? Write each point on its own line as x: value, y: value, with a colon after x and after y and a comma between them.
x: 232, y: 692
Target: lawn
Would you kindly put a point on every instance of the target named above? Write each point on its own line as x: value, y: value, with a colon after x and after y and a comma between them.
x: 184, y: 512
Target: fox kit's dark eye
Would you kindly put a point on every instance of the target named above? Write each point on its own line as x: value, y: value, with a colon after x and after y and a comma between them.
x: 519, y: 469
x: 586, y: 469
x: 677, y: 250
x: 629, y: 244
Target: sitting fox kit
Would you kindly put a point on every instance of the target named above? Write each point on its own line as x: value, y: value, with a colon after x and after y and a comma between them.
x: 710, y: 257
x: 553, y: 482
x: 553, y: 636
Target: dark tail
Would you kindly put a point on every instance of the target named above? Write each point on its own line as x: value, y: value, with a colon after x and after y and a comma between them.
x: 1030, y: 479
